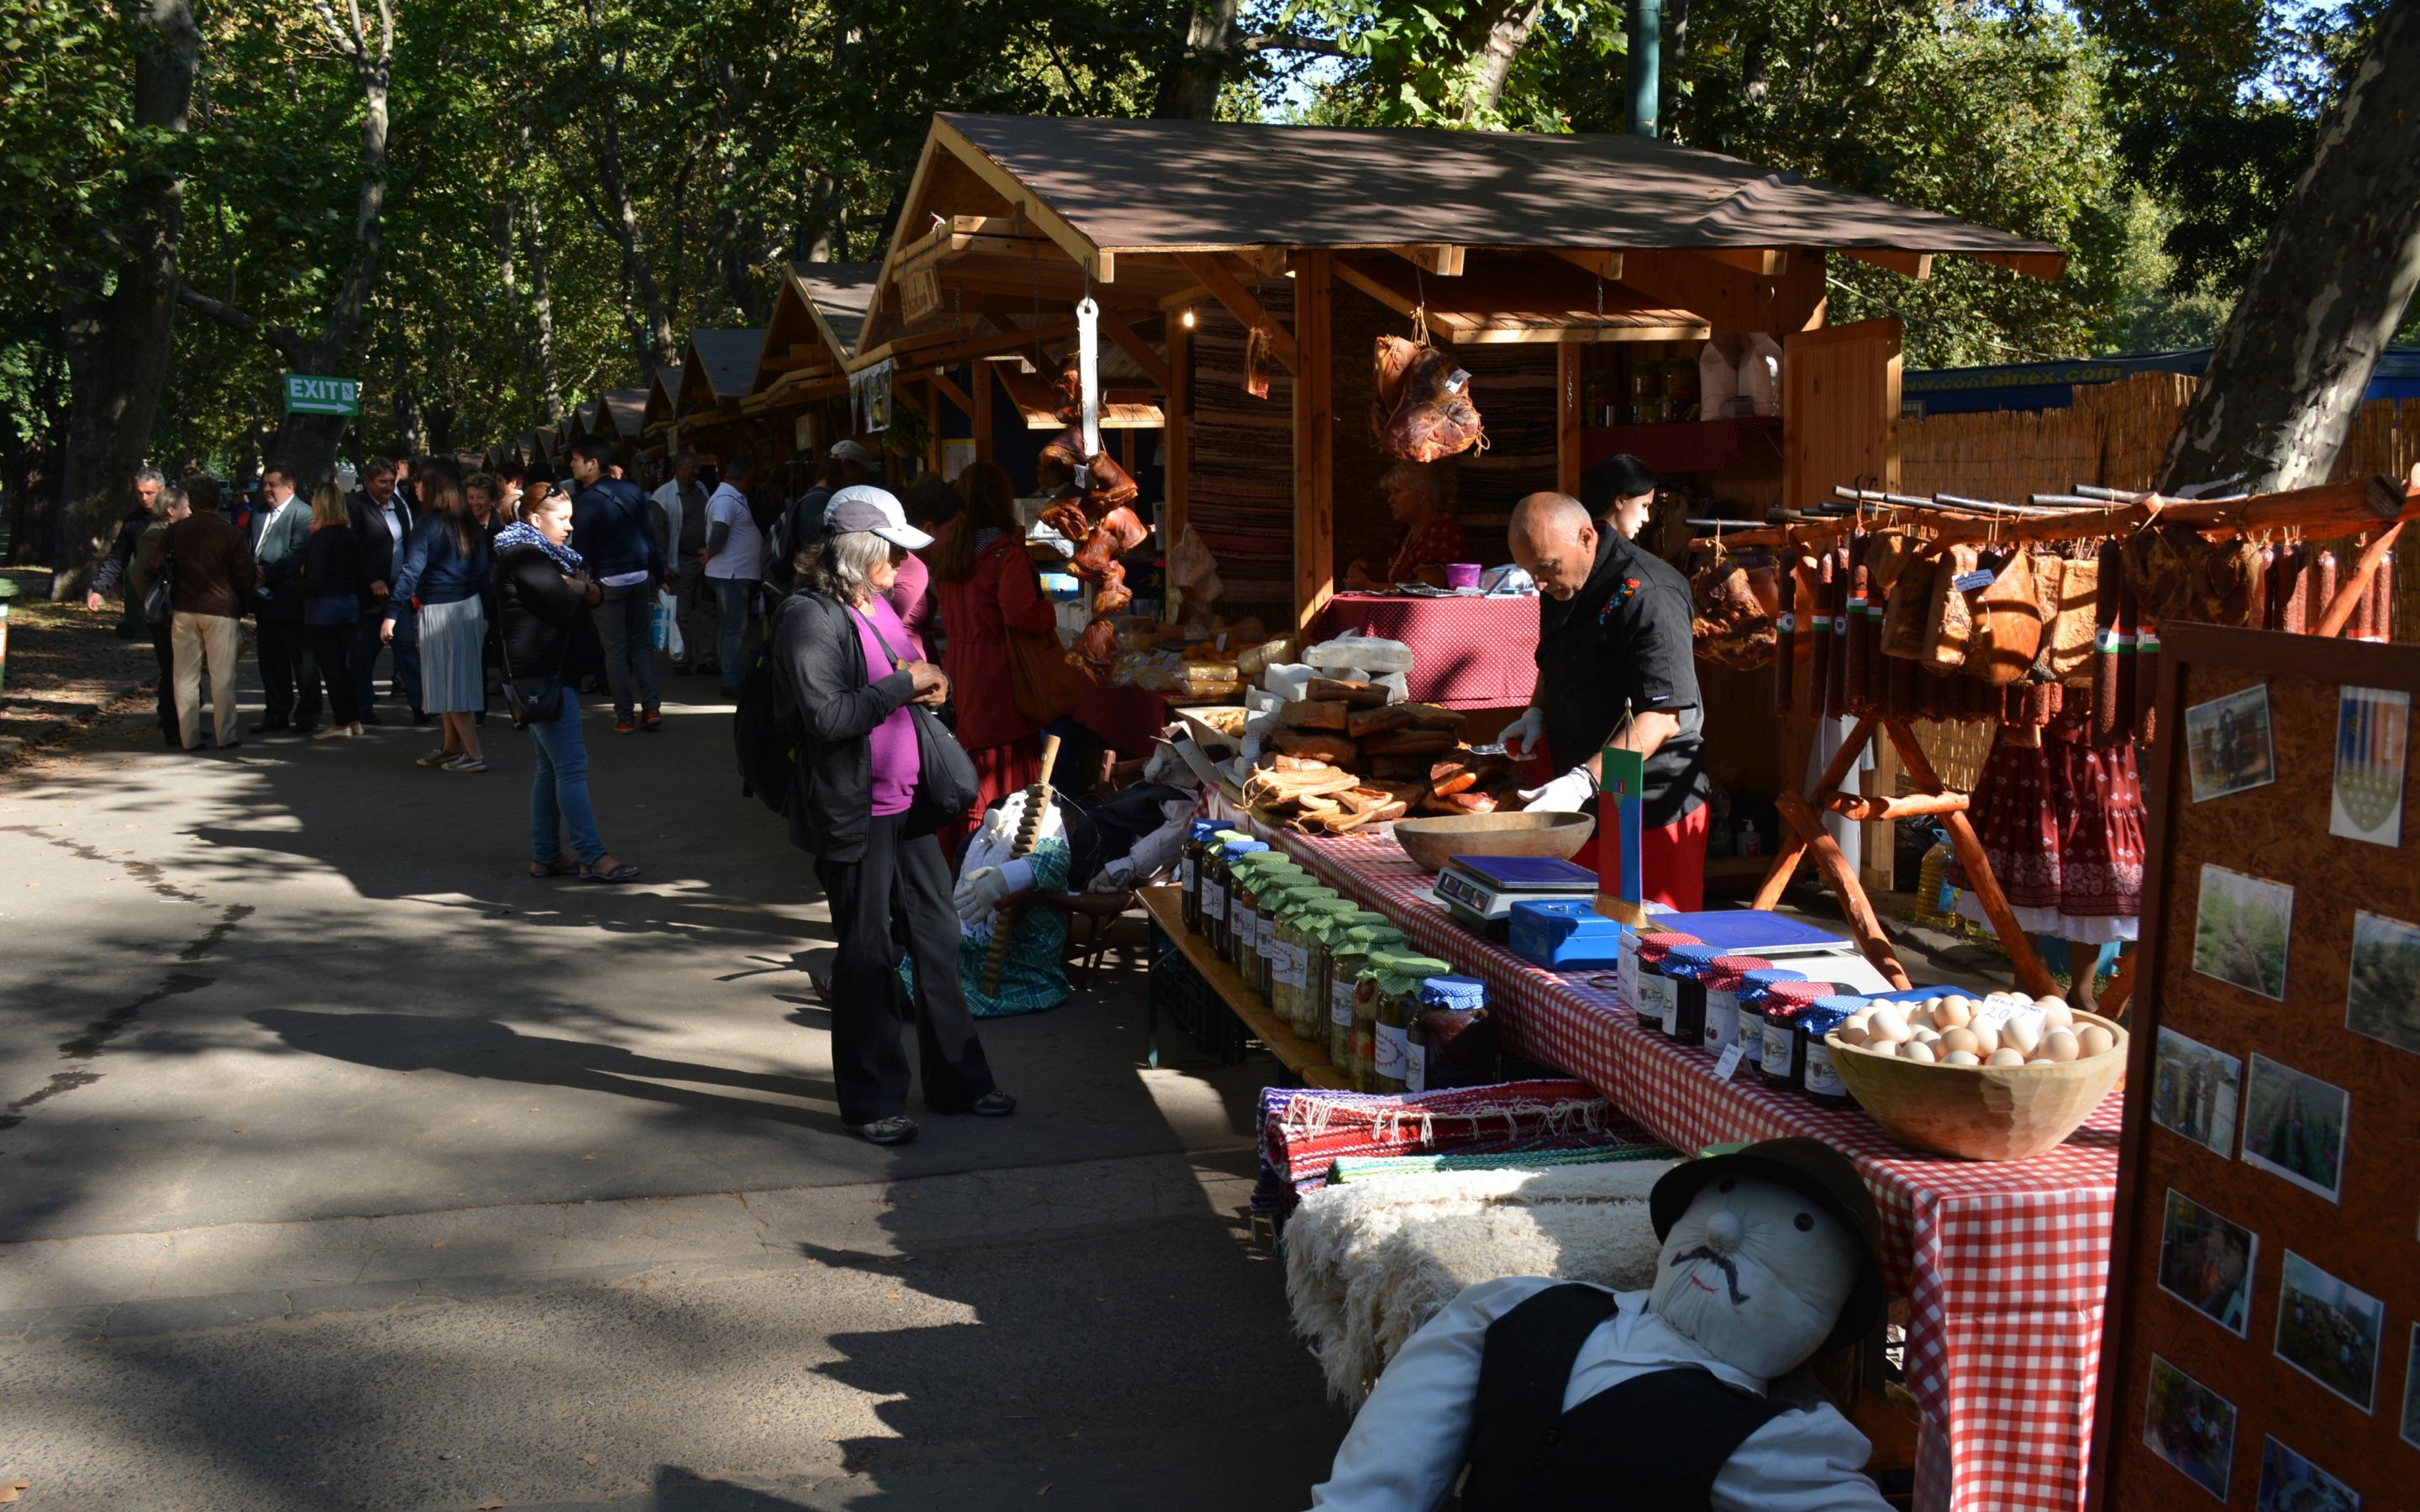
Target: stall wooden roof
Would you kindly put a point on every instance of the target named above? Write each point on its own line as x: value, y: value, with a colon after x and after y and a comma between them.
x: 583, y: 421
x: 717, y: 371
x: 816, y: 318
x: 663, y: 402
x: 1499, y: 236
x: 621, y: 411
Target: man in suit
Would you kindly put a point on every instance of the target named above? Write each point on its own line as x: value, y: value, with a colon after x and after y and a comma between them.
x: 381, y: 518
x: 289, y: 674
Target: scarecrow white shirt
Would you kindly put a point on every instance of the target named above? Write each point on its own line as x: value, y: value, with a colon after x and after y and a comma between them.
x: 1406, y: 1448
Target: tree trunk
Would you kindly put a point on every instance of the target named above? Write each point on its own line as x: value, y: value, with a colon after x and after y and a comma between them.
x: 542, y: 313
x: 618, y: 217
x: 1489, y: 71
x: 1196, y: 70
x: 2339, y: 272
x: 117, y: 345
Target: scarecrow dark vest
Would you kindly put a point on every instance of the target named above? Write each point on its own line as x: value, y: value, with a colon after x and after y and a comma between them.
x: 1654, y: 1444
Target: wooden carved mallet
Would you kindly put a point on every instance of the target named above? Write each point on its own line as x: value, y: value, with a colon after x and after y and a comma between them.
x: 1037, y: 809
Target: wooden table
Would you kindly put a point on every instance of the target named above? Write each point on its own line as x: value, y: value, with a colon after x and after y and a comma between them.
x: 1308, y: 1061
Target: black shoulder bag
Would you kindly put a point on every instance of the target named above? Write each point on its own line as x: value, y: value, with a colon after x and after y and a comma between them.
x: 946, y: 786
x: 159, y: 599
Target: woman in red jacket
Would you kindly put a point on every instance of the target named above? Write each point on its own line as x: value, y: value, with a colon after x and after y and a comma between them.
x: 987, y: 587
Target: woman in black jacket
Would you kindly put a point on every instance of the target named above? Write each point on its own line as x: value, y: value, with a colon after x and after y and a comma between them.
x: 548, y: 641
x: 332, y: 605
x: 835, y: 653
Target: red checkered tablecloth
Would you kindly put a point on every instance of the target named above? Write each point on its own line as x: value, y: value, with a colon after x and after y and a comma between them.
x: 2003, y: 1264
x: 1467, y: 652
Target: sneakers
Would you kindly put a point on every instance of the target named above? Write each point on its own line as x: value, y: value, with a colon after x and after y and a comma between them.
x: 894, y: 1130
x: 464, y: 763
x: 440, y: 757
x: 623, y: 727
x: 651, y: 720
x: 337, y: 731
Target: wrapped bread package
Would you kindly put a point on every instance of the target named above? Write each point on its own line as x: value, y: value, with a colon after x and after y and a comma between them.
x: 2074, y: 599
x: 2007, y: 624
x: 1904, y: 609
x: 1949, y: 618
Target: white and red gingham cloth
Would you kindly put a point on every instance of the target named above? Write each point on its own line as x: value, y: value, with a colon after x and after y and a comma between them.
x: 2003, y: 1264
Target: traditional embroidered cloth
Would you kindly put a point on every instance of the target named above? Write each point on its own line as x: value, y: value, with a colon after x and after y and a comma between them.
x: 2062, y: 825
x: 1305, y: 1131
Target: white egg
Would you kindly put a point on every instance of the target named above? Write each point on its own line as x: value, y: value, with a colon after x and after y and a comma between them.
x: 2007, y: 1058
x: 2092, y: 1040
x: 1919, y: 1050
x: 1879, y: 1047
x: 1961, y: 1058
x: 1923, y: 1034
x: 1961, y: 1040
x: 1930, y: 1005
x: 2059, y: 1016
x: 2046, y: 1002
x: 1919, y: 1020
x: 1888, y: 1025
x: 1853, y: 1034
x: 1863, y: 1018
x: 1987, y: 1039
x: 2023, y: 1033
x: 1954, y: 1016
x: 2060, y: 1044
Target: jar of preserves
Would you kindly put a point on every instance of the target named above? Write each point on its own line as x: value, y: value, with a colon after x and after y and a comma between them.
x: 1398, y: 980
x: 1781, y: 1068
x: 1270, y: 901
x: 1644, y: 986
x: 1816, y: 1075
x: 1447, y: 1006
x: 1686, y: 966
x: 1366, y: 994
x: 1722, y: 1016
x: 1351, y: 941
x: 1277, y: 907
x: 1753, y: 986
x: 1218, y: 874
x: 1243, y: 907
x: 1198, y: 837
x: 1297, y: 999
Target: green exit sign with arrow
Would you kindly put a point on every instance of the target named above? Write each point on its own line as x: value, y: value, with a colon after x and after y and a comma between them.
x: 309, y: 394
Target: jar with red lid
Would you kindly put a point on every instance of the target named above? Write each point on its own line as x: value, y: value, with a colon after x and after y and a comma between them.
x: 1644, y: 986
x: 1783, y: 1065
x: 1752, y: 988
x: 1722, y: 1015
x: 1684, y: 1012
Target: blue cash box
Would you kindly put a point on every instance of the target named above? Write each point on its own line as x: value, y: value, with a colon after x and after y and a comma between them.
x: 1564, y: 935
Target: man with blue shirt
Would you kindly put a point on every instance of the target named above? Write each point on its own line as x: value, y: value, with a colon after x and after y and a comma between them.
x: 611, y: 527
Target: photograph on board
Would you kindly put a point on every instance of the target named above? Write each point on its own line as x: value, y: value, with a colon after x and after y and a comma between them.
x: 2382, y: 993
x: 2411, y: 1390
x: 2330, y: 1330
x: 2196, y: 1090
x: 2228, y: 747
x: 2191, y: 1427
x: 2240, y: 927
x: 2294, y: 1127
x: 2289, y: 1483
x: 2373, y: 737
x: 2206, y: 1263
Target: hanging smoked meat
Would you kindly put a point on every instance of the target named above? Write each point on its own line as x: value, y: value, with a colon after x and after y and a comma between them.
x: 2226, y: 586
x: 1950, y: 618
x: 1433, y: 416
x: 1098, y: 522
x: 2007, y: 624
x: 1785, y: 635
x: 1258, y: 352
x: 1731, y: 624
x: 1390, y: 367
x: 1818, y: 687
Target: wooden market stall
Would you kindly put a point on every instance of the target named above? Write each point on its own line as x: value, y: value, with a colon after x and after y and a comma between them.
x: 659, y: 418
x: 718, y: 370
x: 802, y: 381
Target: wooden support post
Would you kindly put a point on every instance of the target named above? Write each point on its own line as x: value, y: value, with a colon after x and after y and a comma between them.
x: 1178, y: 437
x: 1570, y: 369
x: 1786, y: 860
x: 979, y: 386
x: 1867, y: 810
x: 1314, y: 440
x: 1834, y: 864
x: 2031, y: 974
x: 1225, y: 286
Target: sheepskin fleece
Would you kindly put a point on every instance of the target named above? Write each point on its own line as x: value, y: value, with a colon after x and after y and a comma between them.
x: 1369, y: 1262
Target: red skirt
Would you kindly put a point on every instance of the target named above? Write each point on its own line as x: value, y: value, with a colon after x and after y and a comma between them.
x: 2062, y: 822
x: 1000, y: 770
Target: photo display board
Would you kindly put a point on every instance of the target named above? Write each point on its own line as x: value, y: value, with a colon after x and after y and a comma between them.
x: 2262, y: 1343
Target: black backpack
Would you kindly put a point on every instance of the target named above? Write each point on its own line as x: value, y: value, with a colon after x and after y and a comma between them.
x: 765, y: 730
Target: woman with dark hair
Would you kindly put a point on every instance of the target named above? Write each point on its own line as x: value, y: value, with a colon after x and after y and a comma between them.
x: 1621, y: 492
x: 838, y: 651
x: 549, y: 642
x: 987, y: 587
x: 1429, y: 539
x: 332, y: 605
x: 443, y: 577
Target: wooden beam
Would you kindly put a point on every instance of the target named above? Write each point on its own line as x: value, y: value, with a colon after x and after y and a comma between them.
x: 979, y: 380
x: 1441, y: 258
x: 1178, y: 435
x: 1314, y: 440
x: 1124, y: 335
x: 1029, y: 207
x: 912, y: 351
x: 956, y: 396
x: 1605, y: 265
x: 1570, y: 363
x: 1855, y: 905
x: 1916, y: 265
x: 1240, y: 304
x: 1728, y: 297
x: 1765, y: 262
x: 2046, y: 264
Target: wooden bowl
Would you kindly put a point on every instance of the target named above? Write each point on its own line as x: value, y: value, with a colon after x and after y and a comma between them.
x: 1981, y: 1112
x: 1433, y: 839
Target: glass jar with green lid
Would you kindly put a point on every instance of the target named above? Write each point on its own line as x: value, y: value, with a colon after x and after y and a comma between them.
x: 1272, y: 903
x: 1242, y: 905
x: 1201, y: 838
x: 1349, y: 954
x: 1217, y: 875
x: 1398, y: 980
x: 1290, y: 961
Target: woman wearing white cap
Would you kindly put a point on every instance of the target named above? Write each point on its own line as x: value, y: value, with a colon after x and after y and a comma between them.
x: 841, y: 654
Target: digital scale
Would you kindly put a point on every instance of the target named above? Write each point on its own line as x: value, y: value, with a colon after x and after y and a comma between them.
x: 1480, y: 890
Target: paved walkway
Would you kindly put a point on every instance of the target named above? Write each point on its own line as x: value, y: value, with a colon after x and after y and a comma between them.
x: 341, y: 1165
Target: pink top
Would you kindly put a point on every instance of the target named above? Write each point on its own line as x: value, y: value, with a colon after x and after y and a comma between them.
x: 912, y: 596
x: 895, y: 762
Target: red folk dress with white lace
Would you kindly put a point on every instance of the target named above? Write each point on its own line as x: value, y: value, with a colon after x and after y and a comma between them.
x: 1432, y: 545
x: 2062, y: 824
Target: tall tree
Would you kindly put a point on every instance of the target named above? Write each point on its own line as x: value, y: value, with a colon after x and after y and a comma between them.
x: 309, y: 442
x: 2338, y: 273
x: 117, y: 338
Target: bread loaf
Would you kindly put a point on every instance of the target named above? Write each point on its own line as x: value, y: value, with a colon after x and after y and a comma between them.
x: 1340, y: 691
x: 1312, y: 714
x: 1360, y: 722
x: 1318, y: 744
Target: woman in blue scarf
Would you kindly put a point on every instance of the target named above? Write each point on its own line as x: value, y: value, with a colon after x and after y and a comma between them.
x: 549, y: 643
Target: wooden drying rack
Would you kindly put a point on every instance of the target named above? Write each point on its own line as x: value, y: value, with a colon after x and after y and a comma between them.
x: 2380, y: 505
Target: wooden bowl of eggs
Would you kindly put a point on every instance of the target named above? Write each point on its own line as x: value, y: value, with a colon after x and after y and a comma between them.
x: 1982, y: 1078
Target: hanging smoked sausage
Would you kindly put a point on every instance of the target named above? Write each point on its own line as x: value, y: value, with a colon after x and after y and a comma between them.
x: 1785, y: 636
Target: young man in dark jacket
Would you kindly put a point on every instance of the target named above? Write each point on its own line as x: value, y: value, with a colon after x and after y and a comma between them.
x: 611, y: 527
x: 131, y: 625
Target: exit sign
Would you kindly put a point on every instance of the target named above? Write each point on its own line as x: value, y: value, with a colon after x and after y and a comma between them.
x: 307, y: 394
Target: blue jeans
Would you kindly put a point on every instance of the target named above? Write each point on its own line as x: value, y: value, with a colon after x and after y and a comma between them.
x: 406, y: 653
x: 625, y: 622
x: 559, y: 790
x: 733, y: 595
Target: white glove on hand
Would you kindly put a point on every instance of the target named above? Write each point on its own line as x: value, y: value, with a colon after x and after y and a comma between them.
x: 1567, y: 793
x: 978, y: 892
x: 1522, y: 735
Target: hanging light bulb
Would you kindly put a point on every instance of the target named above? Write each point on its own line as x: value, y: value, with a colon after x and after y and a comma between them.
x: 1189, y: 317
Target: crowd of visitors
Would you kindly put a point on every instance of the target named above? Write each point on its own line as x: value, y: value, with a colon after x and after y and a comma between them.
x: 515, y: 592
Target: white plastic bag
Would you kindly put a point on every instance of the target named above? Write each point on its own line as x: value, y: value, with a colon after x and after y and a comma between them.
x: 1760, y: 374
x: 663, y: 627
x: 1718, y: 381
